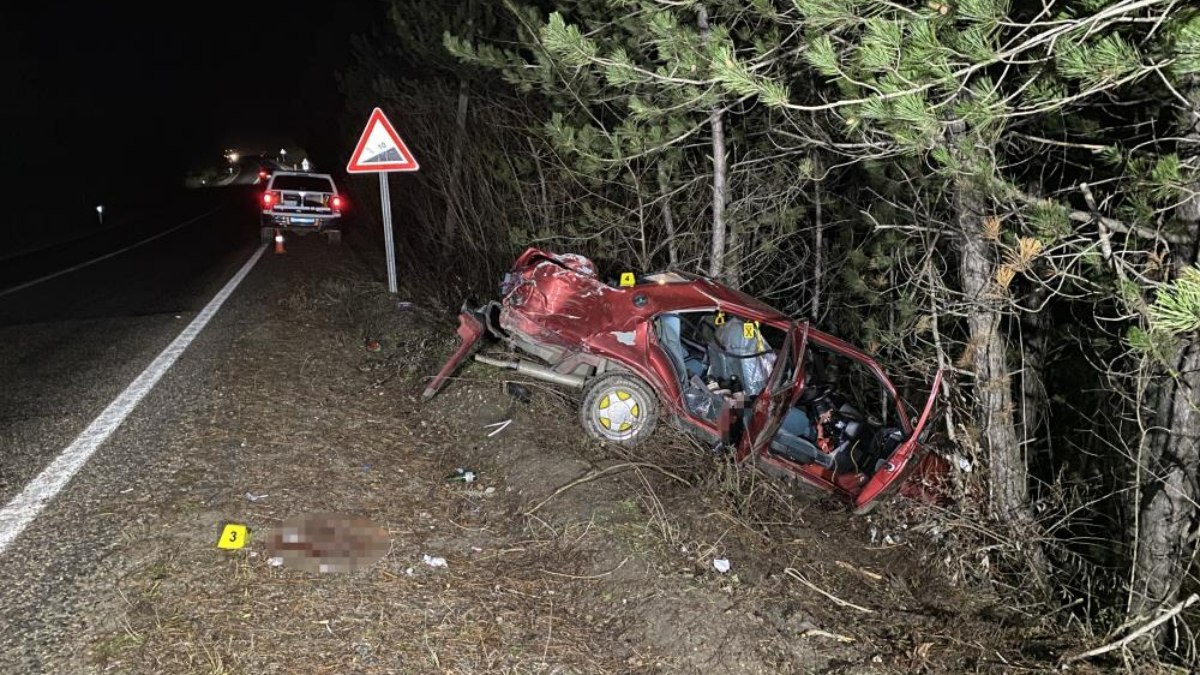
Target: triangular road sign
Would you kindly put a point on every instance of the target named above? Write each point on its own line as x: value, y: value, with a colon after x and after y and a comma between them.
x: 380, y: 149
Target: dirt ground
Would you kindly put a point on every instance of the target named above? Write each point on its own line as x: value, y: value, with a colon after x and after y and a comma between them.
x: 563, y: 556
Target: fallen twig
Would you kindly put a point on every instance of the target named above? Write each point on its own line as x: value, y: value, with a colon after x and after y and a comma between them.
x: 1151, y: 625
x: 594, y: 474
x: 795, y: 574
x: 813, y: 630
x: 866, y: 573
x: 498, y: 426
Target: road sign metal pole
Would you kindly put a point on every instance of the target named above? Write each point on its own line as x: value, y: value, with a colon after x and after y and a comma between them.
x: 386, y: 201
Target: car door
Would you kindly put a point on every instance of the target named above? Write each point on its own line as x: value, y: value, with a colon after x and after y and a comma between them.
x: 893, y: 474
x: 782, y: 389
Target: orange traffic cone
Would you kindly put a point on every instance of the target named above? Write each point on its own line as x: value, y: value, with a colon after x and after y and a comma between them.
x: 279, y: 243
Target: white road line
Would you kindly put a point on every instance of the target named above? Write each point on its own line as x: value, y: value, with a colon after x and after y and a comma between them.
x: 21, y: 511
x: 106, y: 256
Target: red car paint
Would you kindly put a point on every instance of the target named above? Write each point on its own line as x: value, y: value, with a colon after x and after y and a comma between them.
x: 559, y: 304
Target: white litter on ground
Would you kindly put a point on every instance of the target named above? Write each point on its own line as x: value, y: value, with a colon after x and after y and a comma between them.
x: 435, y: 561
x: 721, y: 565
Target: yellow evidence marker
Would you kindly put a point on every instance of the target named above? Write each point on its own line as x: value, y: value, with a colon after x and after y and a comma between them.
x: 233, y: 536
x: 720, y: 319
x: 748, y: 330
x: 627, y: 279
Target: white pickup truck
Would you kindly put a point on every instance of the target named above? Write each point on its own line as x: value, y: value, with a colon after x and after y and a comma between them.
x: 302, y: 203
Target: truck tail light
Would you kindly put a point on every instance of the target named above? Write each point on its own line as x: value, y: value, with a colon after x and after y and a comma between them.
x: 337, y: 202
x: 268, y: 198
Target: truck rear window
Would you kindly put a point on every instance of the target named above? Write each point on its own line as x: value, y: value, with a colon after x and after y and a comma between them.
x: 302, y: 183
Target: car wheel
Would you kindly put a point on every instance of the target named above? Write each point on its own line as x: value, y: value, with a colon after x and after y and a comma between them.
x: 335, y: 237
x: 619, y: 408
x: 268, y: 234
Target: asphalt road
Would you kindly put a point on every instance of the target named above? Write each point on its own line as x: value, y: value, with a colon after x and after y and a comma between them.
x: 68, y: 347
x: 70, y: 344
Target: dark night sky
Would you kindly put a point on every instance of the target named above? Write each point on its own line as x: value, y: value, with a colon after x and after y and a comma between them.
x: 143, y: 94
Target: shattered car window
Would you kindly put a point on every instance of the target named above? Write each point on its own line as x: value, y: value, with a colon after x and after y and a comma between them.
x: 854, y: 383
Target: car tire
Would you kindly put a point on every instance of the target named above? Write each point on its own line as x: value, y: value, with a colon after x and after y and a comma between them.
x: 267, y: 234
x: 619, y: 408
x: 335, y: 237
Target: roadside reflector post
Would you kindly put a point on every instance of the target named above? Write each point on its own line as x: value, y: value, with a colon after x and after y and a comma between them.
x: 380, y: 150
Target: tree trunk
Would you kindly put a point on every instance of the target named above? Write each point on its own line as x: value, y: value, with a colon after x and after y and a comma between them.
x: 452, y: 196
x: 1034, y: 338
x: 1167, y: 517
x: 643, y: 250
x: 818, y: 253
x: 993, y: 382
x: 1007, y: 471
x: 716, y: 267
x: 664, y: 189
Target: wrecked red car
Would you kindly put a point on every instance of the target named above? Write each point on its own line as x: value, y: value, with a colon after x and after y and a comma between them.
x: 723, y: 365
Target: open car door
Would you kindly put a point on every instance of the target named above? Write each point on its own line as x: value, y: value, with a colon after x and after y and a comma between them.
x: 894, y: 473
x: 781, y: 391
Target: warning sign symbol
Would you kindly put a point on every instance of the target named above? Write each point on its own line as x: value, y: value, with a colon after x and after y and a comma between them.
x: 380, y: 148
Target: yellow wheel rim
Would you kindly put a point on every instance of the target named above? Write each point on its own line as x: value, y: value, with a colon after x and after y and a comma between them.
x: 618, y: 412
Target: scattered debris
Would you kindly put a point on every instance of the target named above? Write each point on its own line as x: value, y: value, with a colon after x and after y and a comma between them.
x: 275, y: 561
x: 435, y: 561
x: 373, y: 345
x: 253, y: 497
x: 499, y: 426
x: 461, y: 474
x: 405, y: 306
x: 721, y: 565
x: 518, y: 391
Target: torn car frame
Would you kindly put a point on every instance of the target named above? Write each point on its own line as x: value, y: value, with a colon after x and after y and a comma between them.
x: 723, y: 365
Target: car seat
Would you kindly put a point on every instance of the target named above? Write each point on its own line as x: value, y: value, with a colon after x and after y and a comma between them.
x: 697, y: 397
x: 749, y: 359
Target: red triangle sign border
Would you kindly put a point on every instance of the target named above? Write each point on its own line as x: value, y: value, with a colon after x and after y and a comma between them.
x: 356, y: 165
